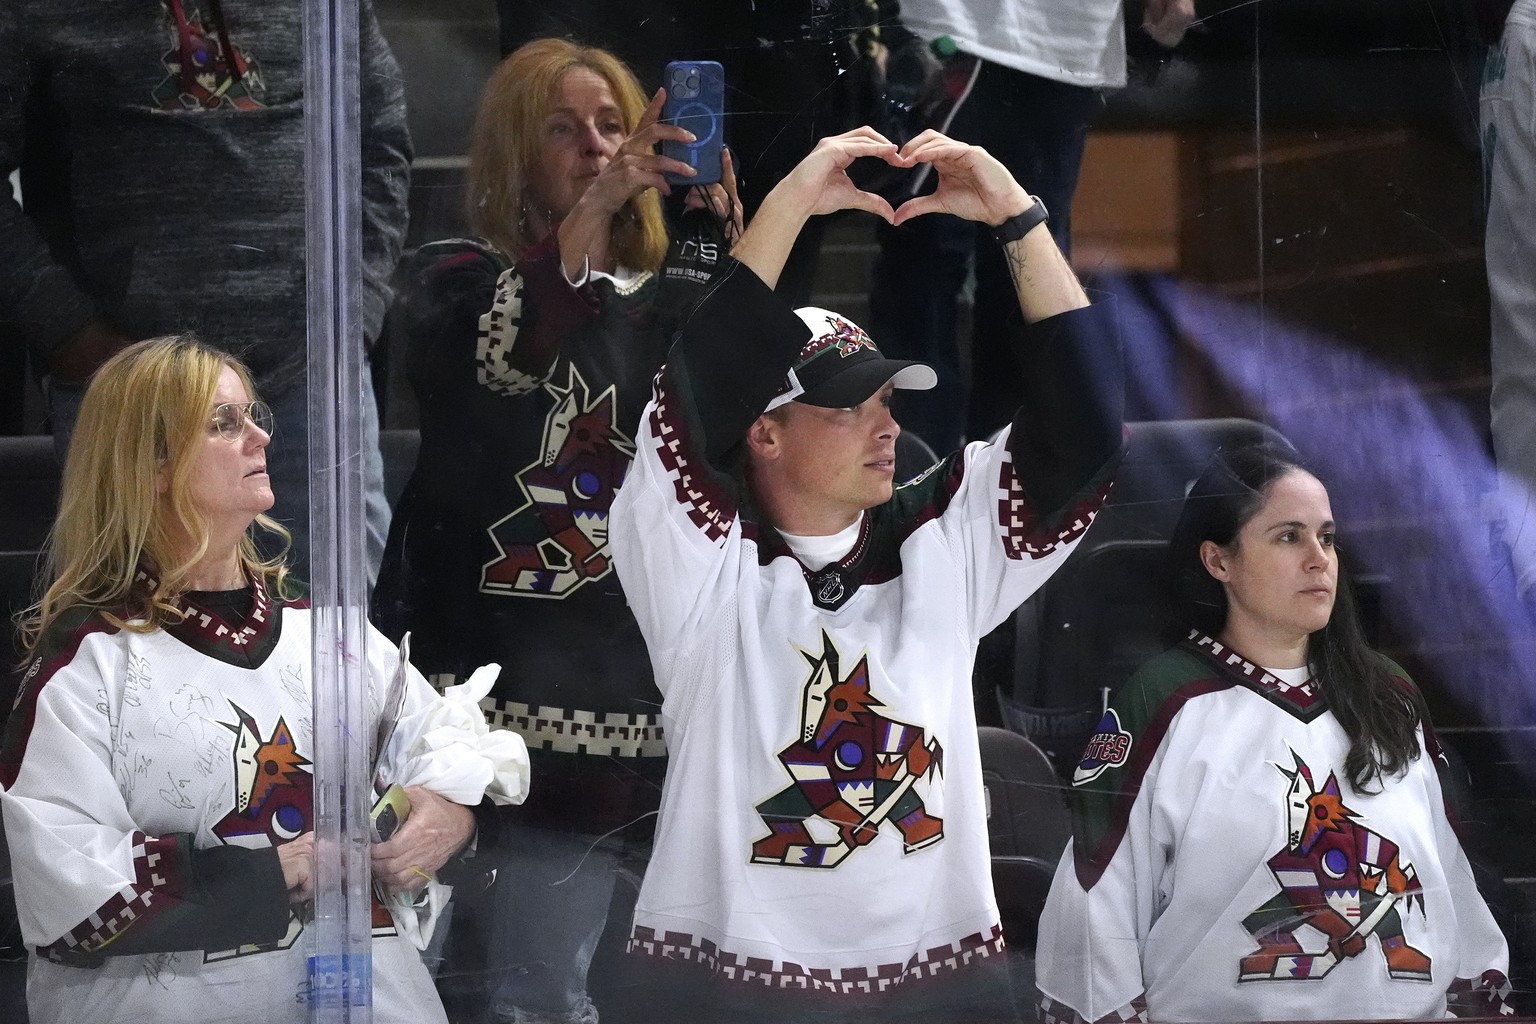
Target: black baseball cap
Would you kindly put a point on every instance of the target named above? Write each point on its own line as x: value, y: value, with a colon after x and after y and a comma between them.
x: 840, y: 367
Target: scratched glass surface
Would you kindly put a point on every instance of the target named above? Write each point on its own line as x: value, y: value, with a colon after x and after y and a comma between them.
x: 1296, y: 212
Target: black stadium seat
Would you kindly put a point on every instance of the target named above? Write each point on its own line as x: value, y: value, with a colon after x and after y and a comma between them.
x: 29, y: 495
x: 1103, y: 613
x: 29, y: 491
x: 399, y: 448
x: 1027, y: 825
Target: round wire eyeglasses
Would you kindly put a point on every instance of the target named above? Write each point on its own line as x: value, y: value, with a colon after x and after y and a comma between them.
x: 229, y: 418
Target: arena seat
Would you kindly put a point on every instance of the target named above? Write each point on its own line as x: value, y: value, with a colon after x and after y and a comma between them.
x: 29, y: 490
x: 1104, y: 612
x: 399, y: 448
x: 1027, y: 825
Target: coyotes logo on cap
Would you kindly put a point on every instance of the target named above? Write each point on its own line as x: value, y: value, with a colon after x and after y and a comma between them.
x: 849, y: 337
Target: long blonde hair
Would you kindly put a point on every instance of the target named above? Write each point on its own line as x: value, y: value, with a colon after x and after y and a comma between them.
x: 505, y: 145
x: 145, y: 411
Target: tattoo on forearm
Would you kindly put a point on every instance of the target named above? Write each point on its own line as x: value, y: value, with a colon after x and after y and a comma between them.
x: 1014, y: 254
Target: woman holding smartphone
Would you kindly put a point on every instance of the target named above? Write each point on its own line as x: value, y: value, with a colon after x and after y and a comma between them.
x: 532, y: 348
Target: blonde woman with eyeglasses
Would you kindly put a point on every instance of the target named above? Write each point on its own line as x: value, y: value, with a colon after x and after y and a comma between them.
x: 157, y: 768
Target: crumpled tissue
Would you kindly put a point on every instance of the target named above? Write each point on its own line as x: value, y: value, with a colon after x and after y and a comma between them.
x: 449, y: 748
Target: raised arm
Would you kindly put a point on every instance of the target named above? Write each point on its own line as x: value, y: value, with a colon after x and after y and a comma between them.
x: 1068, y: 431
x: 819, y: 184
x: 975, y: 186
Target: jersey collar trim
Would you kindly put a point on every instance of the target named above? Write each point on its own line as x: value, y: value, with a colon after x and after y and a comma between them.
x: 1303, y: 701
x: 244, y: 644
x: 833, y: 585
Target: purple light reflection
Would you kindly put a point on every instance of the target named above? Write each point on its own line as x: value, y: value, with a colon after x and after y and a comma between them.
x: 1410, y: 473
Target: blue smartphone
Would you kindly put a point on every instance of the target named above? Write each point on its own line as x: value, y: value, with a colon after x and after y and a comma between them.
x: 695, y: 101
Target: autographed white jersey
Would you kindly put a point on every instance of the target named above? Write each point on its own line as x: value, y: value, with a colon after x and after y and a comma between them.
x: 134, y: 763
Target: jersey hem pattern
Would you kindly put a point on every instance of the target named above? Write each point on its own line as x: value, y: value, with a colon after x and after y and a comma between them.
x: 784, y: 975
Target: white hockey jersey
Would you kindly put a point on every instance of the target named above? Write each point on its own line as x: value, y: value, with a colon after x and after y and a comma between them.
x: 139, y: 772
x: 822, y: 826
x: 1223, y: 869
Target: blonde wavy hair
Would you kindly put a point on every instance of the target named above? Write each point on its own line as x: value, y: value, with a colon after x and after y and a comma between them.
x: 145, y: 412
x: 504, y: 149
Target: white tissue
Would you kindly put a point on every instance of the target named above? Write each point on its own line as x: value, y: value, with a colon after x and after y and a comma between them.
x: 454, y: 753
x: 448, y: 748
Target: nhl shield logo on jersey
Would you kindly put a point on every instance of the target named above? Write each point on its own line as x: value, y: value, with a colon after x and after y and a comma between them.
x: 853, y: 768
x: 557, y: 540
x: 1110, y: 747
x: 1342, y: 879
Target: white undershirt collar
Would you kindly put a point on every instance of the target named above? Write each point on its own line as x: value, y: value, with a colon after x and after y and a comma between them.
x: 1290, y: 676
x: 622, y: 276
x: 816, y: 553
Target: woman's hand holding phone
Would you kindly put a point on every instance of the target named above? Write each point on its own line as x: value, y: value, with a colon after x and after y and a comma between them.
x: 634, y: 167
x: 696, y: 101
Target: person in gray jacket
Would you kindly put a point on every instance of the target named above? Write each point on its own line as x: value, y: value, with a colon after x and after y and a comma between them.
x: 161, y: 145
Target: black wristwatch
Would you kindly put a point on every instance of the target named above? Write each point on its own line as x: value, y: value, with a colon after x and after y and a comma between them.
x: 1015, y: 228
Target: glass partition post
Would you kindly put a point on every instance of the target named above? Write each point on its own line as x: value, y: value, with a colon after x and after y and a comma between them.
x: 340, y: 958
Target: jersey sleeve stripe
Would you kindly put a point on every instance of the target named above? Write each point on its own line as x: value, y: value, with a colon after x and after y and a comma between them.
x: 697, y: 491
x: 1092, y: 863
x: 159, y: 878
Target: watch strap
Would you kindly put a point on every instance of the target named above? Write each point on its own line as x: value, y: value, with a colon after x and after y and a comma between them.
x: 1016, y: 227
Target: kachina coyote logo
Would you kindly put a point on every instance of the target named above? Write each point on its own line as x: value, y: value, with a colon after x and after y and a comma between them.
x: 274, y: 802
x: 850, y: 339
x: 557, y: 540
x: 853, y: 770
x: 274, y: 796
x: 204, y: 70
x: 1342, y: 879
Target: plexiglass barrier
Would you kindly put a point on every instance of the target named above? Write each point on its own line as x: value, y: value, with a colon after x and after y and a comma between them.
x: 768, y: 736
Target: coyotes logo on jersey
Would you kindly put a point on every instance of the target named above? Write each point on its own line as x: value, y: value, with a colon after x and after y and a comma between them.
x: 204, y: 70
x: 274, y: 803
x: 853, y: 768
x: 274, y: 798
x: 557, y: 540
x: 1340, y: 878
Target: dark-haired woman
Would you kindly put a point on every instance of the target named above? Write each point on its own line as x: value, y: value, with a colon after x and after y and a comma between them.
x: 1259, y: 830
